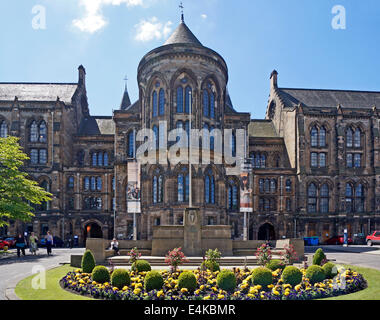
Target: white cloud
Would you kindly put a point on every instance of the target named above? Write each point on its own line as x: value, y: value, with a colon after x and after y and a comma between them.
x: 148, y: 30
x: 204, y: 16
x: 93, y: 19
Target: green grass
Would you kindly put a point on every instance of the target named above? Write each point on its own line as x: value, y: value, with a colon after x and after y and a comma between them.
x: 53, y: 290
x: 371, y: 293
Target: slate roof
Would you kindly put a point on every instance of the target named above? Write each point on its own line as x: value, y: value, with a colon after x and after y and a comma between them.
x: 229, y: 108
x: 95, y: 125
x: 126, y: 101
x: 262, y: 128
x: 183, y: 35
x: 329, y: 98
x: 45, y: 92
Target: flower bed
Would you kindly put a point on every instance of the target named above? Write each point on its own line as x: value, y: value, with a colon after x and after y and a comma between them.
x: 347, y: 281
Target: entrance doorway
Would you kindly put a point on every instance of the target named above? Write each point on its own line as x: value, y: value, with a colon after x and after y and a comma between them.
x: 266, y: 232
x: 92, y: 230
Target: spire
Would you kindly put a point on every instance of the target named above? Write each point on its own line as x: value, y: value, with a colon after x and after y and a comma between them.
x: 126, y: 102
x: 182, y: 15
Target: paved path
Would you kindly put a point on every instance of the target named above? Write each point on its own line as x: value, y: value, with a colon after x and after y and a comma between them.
x: 13, y: 269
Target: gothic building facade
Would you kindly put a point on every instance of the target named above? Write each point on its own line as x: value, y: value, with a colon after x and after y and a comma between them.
x: 315, y: 157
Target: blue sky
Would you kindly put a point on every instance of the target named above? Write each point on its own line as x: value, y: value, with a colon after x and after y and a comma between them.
x: 109, y: 37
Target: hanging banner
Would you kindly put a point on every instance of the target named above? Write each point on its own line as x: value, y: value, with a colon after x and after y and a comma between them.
x: 133, y: 188
x: 246, y: 204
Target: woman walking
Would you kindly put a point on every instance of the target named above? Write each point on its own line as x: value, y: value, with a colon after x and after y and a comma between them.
x: 20, y: 245
x: 33, y: 243
x: 49, y: 242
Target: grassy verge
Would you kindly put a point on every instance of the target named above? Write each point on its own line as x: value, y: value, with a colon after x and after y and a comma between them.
x: 53, y: 290
x: 371, y: 293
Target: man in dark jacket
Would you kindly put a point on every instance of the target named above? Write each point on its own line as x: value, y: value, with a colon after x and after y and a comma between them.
x: 20, y: 245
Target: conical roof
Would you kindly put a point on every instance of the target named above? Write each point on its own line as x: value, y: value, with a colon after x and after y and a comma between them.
x: 126, y: 102
x: 183, y: 35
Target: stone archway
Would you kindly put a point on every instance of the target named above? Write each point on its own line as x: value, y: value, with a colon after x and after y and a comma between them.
x: 266, y: 232
x: 92, y: 230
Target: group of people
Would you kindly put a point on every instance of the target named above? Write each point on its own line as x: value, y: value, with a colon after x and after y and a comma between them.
x: 21, y: 244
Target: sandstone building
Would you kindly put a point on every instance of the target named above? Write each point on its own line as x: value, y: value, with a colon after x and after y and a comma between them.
x: 315, y: 158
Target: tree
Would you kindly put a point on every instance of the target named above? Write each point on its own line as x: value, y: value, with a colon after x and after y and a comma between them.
x: 17, y: 192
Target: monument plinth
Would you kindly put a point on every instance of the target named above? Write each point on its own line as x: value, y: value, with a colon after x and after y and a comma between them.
x: 192, y: 244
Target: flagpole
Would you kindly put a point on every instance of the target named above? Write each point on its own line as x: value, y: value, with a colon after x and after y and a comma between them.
x: 190, y: 168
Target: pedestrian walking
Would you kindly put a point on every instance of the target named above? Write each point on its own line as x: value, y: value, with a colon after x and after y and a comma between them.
x: 20, y: 245
x: 33, y: 247
x: 49, y: 242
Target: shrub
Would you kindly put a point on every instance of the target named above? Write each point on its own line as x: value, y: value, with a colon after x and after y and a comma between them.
x: 213, y: 255
x: 315, y: 274
x: 318, y: 257
x: 153, y: 281
x: 264, y: 254
x: 141, y: 266
x: 275, y: 264
x: 100, y: 274
x: 292, y: 275
x: 226, y: 280
x: 88, y: 262
x: 175, y: 258
x: 120, y: 278
x: 187, y: 280
x: 289, y: 255
x: 134, y: 255
x: 210, y: 265
x: 330, y: 270
x: 262, y: 276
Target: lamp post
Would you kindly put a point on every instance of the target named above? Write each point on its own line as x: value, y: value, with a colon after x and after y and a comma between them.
x: 190, y: 168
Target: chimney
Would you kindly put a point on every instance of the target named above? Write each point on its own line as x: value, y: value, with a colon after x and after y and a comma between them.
x: 273, y: 79
x: 82, y: 76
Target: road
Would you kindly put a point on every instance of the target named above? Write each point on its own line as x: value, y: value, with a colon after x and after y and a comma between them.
x: 13, y: 268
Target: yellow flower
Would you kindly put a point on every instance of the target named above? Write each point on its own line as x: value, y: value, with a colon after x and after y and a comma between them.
x: 214, y: 289
x: 137, y: 291
x: 81, y: 281
x: 202, y: 287
x: 220, y: 296
x: 270, y: 286
x: 298, y: 287
x: 275, y: 292
x: 286, y: 293
x: 250, y: 295
x: 115, y: 289
x: 160, y: 293
x: 197, y: 291
x: 184, y: 290
x: 206, y: 298
x: 125, y: 288
x: 236, y: 293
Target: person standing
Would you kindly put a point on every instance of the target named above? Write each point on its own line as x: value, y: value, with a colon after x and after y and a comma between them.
x: 49, y: 242
x: 33, y: 243
x: 20, y: 245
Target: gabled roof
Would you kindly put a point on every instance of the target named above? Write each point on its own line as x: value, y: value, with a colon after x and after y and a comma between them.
x: 95, y: 125
x: 183, y: 35
x: 44, y: 92
x: 262, y: 129
x: 329, y: 98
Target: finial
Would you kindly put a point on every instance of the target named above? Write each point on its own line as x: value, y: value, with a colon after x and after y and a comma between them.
x: 126, y: 81
x: 182, y: 15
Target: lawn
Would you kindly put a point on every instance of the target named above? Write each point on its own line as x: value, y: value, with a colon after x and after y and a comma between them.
x: 53, y: 290
x: 371, y: 293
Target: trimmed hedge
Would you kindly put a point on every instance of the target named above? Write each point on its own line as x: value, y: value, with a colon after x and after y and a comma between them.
x: 275, y: 264
x: 153, y: 281
x: 315, y: 274
x: 187, y: 280
x: 262, y: 276
x: 226, y: 280
x: 318, y: 257
x: 141, y: 266
x: 291, y: 275
x: 100, y: 274
x: 330, y: 270
x: 88, y: 262
x: 211, y: 265
x: 120, y: 278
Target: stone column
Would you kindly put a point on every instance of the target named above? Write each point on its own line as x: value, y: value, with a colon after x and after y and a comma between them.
x: 192, y: 232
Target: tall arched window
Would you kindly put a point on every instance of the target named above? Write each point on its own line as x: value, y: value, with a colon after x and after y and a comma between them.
x: 322, y: 137
x: 155, y: 104
x: 232, y: 195
x: 312, y: 198
x: 349, y: 198
x: 205, y: 103
x: 99, y: 184
x: 324, y: 199
x: 209, y: 187
x: 359, y: 198
x: 158, y: 187
x: 188, y: 92
x: 206, y: 137
x: 162, y: 102
x: 33, y: 135
x: 180, y: 100
x: 93, y: 183
x: 43, y: 132
x: 233, y: 144
x: 357, y: 138
x: 314, y: 137
x: 209, y: 101
x: 105, y: 159
x: 273, y: 186
x: 156, y: 136
x: 131, y: 144
x: 86, y: 183
x: 183, y: 186
x: 3, y: 129
x: 349, y: 138
x: 212, y: 105
x: 212, y: 139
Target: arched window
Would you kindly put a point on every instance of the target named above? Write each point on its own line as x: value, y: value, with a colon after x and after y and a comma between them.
x: 99, y: 184
x: 312, y: 198
x: 205, y: 103
x: 324, y: 199
x: 349, y: 198
x: 273, y: 186
x: 322, y: 137
x: 183, y: 186
x: 131, y: 144
x: 162, y: 102
x: 359, y: 198
x: 158, y: 187
x: 70, y: 182
x: 43, y: 132
x: 232, y: 195
x: 179, y: 100
x: 156, y: 136
x: 33, y: 137
x: 233, y: 144
x: 155, y: 104
x: 357, y: 138
x: 349, y: 137
x: 188, y: 93
x: 105, y: 159
x: 3, y: 129
x: 86, y: 183
x: 314, y: 137
x: 212, y: 105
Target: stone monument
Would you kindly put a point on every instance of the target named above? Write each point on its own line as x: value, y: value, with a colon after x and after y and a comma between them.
x: 192, y: 245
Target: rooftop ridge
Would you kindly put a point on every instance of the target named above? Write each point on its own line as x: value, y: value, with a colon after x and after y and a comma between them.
x: 338, y: 90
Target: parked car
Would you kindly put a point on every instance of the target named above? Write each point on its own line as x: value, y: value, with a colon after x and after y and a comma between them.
x: 11, y: 241
x: 3, y: 244
x: 337, y: 240
x: 374, y: 238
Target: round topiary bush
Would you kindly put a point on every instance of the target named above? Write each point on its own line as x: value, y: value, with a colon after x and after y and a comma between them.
x: 187, y: 280
x: 153, y: 281
x: 292, y: 275
x: 141, y: 266
x: 100, y: 274
x: 213, y: 266
x: 330, y: 270
x: 88, y: 262
x: 226, y: 280
x: 262, y: 276
x: 318, y: 257
x: 275, y: 264
x: 120, y: 278
x: 315, y: 274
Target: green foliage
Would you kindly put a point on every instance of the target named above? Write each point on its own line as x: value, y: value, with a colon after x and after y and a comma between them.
x: 330, y: 270
x: 291, y: 275
x: 213, y: 266
x: 100, y: 274
x: 318, y: 257
x: 153, y: 281
x: 226, y: 280
x: 262, y: 276
x: 17, y: 192
x: 187, y: 280
x: 315, y: 274
x: 88, y: 262
x: 213, y: 255
x: 120, y: 278
x: 141, y: 266
x: 275, y: 264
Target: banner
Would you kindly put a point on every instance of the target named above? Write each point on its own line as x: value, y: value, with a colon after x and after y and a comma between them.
x: 246, y: 204
x: 133, y: 188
